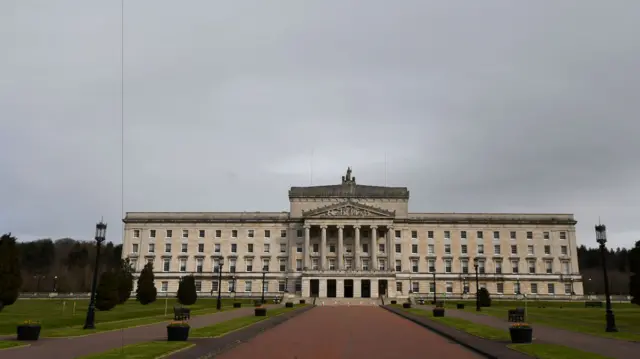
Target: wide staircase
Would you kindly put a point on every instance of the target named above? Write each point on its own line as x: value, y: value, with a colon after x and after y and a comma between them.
x: 345, y: 301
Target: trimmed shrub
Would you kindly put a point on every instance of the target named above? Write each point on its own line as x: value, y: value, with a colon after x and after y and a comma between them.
x: 484, y: 298
x: 146, y: 292
x: 107, y: 292
x: 187, y: 291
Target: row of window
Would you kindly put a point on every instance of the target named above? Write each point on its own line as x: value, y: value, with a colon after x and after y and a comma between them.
x: 364, y: 265
x: 251, y: 233
x: 533, y: 288
x: 497, y: 248
x: 248, y: 286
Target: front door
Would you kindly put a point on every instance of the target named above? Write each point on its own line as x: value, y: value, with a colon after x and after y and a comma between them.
x: 315, y: 287
x: 348, y: 288
x: 365, y: 289
x: 331, y: 288
x: 382, y: 287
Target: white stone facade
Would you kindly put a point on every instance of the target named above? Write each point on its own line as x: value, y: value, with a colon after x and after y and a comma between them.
x: 357, y: 241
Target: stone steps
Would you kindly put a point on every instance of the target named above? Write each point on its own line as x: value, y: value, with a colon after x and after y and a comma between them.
x: 347, y: 301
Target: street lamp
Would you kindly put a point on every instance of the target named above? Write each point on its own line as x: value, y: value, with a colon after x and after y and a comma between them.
x: 475, y: 266
x: 55, y: 283
x: 101, y: 232
x: 601, y: 238
x: 219, y: 301
x: 435, y: 288
x: 264, y: 274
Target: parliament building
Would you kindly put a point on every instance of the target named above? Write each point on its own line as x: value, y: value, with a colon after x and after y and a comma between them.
x: 360, y: 241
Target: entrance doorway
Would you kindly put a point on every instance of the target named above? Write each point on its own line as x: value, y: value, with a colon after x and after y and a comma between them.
x: 382, y: 287
x: 315, y: 287
x: 348, y: 288
x: 365, y: 288
x: 331, y: 288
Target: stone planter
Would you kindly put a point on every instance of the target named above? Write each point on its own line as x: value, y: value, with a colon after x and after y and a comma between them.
x: 28, y: 332
x: 260, y: 312
x: 406, y: 305
x: 394, y: 302
x: 177, y: 333
x: 521, y: 335
x: 438, y: 312
x: 302, y: 301
x: 459, y: 306
x: 288, y: 305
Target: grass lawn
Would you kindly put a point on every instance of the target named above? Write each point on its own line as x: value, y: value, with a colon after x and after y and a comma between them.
x: 571, y: 316
x: 5, y: 344
x: 58, y: 317
x: 225, y: 327
x: 150, y: 350
x: 552, y: 351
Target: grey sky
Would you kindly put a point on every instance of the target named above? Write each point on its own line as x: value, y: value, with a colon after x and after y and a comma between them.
x: 487, y: 106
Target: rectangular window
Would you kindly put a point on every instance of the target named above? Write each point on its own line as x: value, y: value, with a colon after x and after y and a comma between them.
x: 530, y: 250
x: 447, y: 266
x: 551, y: 288
x: 565, y: 267
x: 167, y: 248
x: 201, y: 233
x: 198, y: 286
x: 449, y: 287
x: 332, y: 264
x: 463, y: 249
x: 512, y: 235
x: 563, y: 235
x: 200, y: 247
x: 299, y: 233
x: 314, y: 264
x: 529, y: 235
x: 498, y: 267
x: 183, y: 265
x: 465, y: 266
x: 500, y: 288
x: 514, y: 266
x: 234, y: 233
x: 398, y: 286
x: 382, y: 264
x: 398, y: 266
x: 479, y: 235
x: 249, y: 265
x: 267, y: 248
x: 216, y: 265
x: 365, y: 248
x: 250, y: 233
x: 447, y: 249
x: 431, y: 249
x: 414, y: 248
x: 135, y: 248
x: 164, y: 286
x: 496, y: 235
x: 545, y: 235
x: 281, y: 286
x: 216, y: 247
x: 414, y: 266
x: 430, y: 234
x: 365, y: 264
x: 332, y: 248
x: 283, y: 248
x: 481, y: 267
x: 218, y: 233
x: 432, y: 265
x: 415, y: 287
x: 547, y: 250
x: 414, y: 234
x: 152, y: 233
x: 480, y: 248
x: 532, y: 267
x: 166, y: 265
x: 316, y: 247
x: 267, y: 233
x: 231, y: 286
x: 299, y: 248
x: 380, y: 248
x: 169, y: 233
x: 548, y: 267
x: 184, y: 248
x: 398, y: 234
x: 496, y: 249
x: 199, y: 265
x: 447, y: 235
x: 265, y: 265
x: 234, y: 248
x: 432, y: 287
x: 283, y: 265
x: 567, y: 288
x: 534, y: 288
x: 516, y: 288
x: 185, y: 233
x: 247, y: 286
x: 152, y: 248
x: 514, y: 249
x: 348, y: 264
x: 398, y: 248
x: 563, y: 250
x: 232, y: 265
x: 283, y: 233
x: 463, y: 234
x: 136, y: 233
x: 298, y: 264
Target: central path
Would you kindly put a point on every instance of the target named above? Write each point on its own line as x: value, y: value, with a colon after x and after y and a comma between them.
x: 349, y: 332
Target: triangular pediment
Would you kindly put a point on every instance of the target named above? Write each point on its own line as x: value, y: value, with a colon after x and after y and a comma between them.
x: 349, y: 210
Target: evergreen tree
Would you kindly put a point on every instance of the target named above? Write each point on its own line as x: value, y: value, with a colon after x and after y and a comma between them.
x: 125, y: 280
x: 146, y: 292
x: 107, y: 291
x: 187, y: 291
x: 10, y: 277
x: 484, y: 298
x: 634, y: 280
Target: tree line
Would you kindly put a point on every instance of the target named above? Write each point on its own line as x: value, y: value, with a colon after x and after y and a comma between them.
x: 66, y: 265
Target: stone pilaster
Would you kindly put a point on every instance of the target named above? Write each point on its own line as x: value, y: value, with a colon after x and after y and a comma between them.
x: 340, y: 247
x: 356, y: 250
x: 391, y: 258
x: 323, y: 248
x: 374, y: 248
x: 307, y: 247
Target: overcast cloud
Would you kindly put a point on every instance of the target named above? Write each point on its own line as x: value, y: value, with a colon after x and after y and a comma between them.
x: 480, y: 106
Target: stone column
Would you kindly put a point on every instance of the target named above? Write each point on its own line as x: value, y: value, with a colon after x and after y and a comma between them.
x: 374, y: 248
x: 340, y: 248
x: 307, y: 245
x: 356, y: 250
x: 391, y: 249
x: 323, y: 248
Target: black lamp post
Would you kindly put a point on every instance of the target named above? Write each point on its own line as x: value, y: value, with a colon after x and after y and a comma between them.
x: 219, y: 301
x: 518, y: 285
x: 435, y: 287
x: 601, y: 237
x: 101, y: 232
x: 55, y: 283
x: 475, y: 266
x: 233, y: 291
x: 264, y: 275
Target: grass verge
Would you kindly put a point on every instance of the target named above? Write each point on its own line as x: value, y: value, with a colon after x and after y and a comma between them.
x: 220, y: 329
x: 149, y: 350
x: 7, y: 344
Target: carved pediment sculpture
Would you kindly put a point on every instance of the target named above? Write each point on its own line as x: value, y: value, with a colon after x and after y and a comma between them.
x: 349, y: 210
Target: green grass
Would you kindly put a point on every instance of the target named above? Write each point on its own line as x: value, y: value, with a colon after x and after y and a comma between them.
x: 571, y: 316
x: 4, y: 344
x: 150, y: 350
x: 58, y: 318
x: 228, y: 326
x: 552, y: 351
x: 463, y: 325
